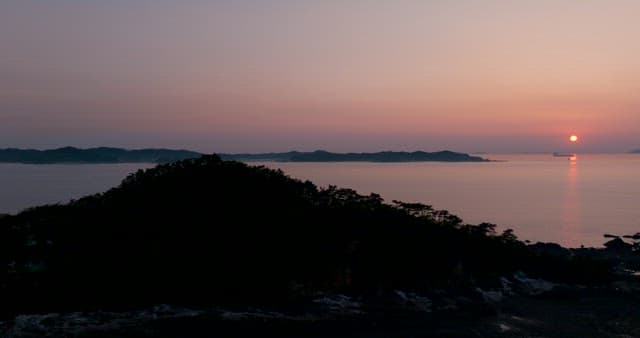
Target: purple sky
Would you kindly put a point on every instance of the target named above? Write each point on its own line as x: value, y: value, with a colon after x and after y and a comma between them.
x: 254, y: 76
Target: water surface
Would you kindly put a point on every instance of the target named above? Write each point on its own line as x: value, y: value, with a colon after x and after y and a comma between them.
x: 27, y: 185
x: 544, y: 198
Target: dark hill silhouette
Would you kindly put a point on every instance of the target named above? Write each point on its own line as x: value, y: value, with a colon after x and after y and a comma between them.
x: 204, y: 231
x: 280, y: 157
x: 93, y: 155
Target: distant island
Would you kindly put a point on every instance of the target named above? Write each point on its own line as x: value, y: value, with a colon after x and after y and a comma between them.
x: 159, y: 155
x: 383, y: 156
x: 636, y: 151
x: 93, y: 155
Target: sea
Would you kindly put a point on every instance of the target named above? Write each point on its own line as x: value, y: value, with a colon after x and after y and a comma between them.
x: 27, y: 185
x: 542, y: 197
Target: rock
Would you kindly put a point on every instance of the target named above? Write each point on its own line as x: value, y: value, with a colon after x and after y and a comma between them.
x: 531, y: 286
x: 491, y: 296
x: 507, y: 289
x: 340, y: 304
x: 414, y: 301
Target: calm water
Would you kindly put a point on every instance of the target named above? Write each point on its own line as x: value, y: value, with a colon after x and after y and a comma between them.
x: 543, y: 198
x: 25, y: 185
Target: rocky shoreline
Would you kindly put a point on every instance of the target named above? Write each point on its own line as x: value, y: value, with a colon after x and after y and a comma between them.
x: 520, y: 307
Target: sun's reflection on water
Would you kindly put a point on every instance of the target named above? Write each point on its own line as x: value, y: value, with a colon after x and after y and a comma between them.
x: 571, y: 207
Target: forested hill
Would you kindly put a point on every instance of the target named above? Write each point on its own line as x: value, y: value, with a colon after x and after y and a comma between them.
x: 93, y: 155
x: 383, y: 156
x: 207, y: 231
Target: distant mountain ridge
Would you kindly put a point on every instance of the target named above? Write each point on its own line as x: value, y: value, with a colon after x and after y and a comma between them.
x: 160, y: 155
x: 93, y: 155
x: 280, y: 157
x: 383, y: 156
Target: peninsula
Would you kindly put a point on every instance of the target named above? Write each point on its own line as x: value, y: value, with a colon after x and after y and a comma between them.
x: 383, y: 156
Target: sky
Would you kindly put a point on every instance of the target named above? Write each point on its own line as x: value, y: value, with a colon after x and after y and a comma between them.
x: 359, y: 75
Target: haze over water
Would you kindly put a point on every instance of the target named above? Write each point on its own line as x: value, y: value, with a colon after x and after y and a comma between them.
x: 27, y: 185
x: 543, y: 198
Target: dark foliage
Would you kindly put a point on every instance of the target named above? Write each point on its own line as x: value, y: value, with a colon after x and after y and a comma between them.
x: 206, y: 230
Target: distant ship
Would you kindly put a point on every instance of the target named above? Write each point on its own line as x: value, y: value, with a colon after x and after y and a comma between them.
x: 569, y: 156
x: 563, y: 155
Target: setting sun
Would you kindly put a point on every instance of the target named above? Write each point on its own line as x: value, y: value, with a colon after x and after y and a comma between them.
x: 573, y: 138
